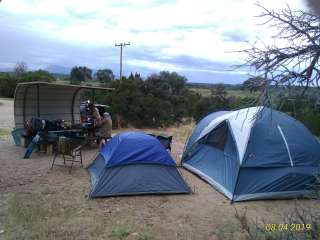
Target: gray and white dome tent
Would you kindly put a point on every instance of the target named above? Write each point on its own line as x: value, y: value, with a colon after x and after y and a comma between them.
x: 254, y: 153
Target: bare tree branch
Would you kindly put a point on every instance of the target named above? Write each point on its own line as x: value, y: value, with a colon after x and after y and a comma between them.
x: 295, y: 63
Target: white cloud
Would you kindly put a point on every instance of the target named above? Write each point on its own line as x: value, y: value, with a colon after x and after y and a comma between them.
x: 183, y: 27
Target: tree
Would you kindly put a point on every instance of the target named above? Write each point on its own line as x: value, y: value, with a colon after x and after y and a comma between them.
x: 254, y: 84
x: 8, y: 82
x: 37, y: 76
x: 166, y: 84
x: 126, y: 102
x: 295, y: 63
x: 286, y: 72
x: 8, y: 85
x: 20, y: 68
x: 80, y: 74
x: 104, y: 75
x: 161, y: 100
x: 219, y: 91
x: 171, y: 87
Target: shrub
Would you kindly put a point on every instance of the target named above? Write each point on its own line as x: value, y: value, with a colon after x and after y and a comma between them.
x: 8, y: 82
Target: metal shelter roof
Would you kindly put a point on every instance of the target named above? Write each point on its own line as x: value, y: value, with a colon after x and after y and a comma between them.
x: 49, y: 101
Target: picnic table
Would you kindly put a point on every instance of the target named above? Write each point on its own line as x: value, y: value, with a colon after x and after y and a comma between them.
x: 48, y: 140
x: 86, y: 133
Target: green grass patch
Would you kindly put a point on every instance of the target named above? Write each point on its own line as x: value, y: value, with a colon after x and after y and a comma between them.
x: 241, y: 93
x: 146, y: 236
x: 48, y: 213
x: 5, y: 98
x: 38, y: 216
x: 206, y: 92
x: 120, y: 233
x: 4, y: 132
x: 25, y: 213
x: 32, y: 217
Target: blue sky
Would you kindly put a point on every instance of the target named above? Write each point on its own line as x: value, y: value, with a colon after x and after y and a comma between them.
x: 195, y: 38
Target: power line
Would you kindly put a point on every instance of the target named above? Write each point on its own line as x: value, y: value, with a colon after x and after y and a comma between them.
x: 121, y: 45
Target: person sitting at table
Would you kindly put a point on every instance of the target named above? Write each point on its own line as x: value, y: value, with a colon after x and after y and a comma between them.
x: 105, y: 128
x: 95, y: 114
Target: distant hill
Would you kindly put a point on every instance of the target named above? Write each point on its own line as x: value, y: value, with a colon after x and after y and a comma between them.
x: 211, y: 85
x: 62, y: 71
x: 60, y: 76
x: 6, y: 69
x: 53, y: 69
x: 56, y: 69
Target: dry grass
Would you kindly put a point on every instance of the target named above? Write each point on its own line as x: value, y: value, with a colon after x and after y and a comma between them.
x: 205, y: 92
x: 36, y: 203
x: 54, y: 212
x: 49, y: 214
x: 35, y: 216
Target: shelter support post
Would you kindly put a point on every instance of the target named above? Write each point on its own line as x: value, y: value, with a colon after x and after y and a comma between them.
x: 24, y: 103
x: 93, y: 95
x: 72, y: 103
x: 38, y: 100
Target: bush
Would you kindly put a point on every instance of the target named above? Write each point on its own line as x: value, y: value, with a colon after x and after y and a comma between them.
x: 8, y: 82
x: 161, y: 100
x: 164, y: 99
x: 36, y: 76
x: 305, y: 110
x: 7, y: 85
x: 80, y: 74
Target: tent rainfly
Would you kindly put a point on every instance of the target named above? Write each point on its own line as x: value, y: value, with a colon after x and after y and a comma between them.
x: 48, y: 101
x: 134, y: 163
x: 254, y: 153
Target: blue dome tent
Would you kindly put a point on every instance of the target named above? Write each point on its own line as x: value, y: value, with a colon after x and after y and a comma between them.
x: 254, y: 153
x: 134, y: 163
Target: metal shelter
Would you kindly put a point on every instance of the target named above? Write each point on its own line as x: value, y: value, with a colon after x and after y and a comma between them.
x: 49, y: 101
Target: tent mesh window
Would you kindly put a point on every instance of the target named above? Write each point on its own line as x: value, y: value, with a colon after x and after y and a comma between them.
x: 218, y: 137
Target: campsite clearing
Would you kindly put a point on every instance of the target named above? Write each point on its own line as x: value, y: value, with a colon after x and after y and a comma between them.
x: 37, y: 203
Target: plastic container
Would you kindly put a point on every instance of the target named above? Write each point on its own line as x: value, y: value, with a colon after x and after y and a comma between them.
x: 16, y: 134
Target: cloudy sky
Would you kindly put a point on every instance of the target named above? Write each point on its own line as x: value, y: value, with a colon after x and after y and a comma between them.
x: 194, y: 38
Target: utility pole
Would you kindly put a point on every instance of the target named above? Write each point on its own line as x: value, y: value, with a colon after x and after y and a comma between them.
x: 121, y: 45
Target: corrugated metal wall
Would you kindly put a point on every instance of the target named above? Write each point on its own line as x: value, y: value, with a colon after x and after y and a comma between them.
x: 18, y: 111
x: 52, y: 102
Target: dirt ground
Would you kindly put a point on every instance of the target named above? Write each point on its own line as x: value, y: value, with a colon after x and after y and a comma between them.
x: 6, y: 113
x: 38, y: 203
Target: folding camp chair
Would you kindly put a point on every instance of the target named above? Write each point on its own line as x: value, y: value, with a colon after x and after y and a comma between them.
x: 69, y: 150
